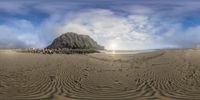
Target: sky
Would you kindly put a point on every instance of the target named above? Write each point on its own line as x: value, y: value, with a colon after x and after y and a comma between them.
x: 115, y: 24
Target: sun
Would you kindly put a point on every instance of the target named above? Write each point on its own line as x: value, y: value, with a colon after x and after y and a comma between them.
x: 113, y: 46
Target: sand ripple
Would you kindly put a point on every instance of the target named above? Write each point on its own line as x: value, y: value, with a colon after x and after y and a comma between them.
x: 169, y: 74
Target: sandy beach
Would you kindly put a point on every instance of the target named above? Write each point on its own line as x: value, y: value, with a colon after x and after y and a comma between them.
x: 162, y: 75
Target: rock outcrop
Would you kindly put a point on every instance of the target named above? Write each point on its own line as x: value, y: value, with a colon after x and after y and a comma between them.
x: 72, y: 40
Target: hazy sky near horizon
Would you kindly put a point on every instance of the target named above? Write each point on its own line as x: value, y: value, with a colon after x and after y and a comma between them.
x: 115, y: 24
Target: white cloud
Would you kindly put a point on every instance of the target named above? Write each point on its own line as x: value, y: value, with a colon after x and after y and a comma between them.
x: 72, y: 27
x: 130, y: 32
x: 19, y: 34
x: 108, y: 28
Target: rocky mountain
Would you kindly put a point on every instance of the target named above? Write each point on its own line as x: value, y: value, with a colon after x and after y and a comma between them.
x: 72, y: 40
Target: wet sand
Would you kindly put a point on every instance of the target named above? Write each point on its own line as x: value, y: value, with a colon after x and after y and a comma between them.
x: 162, y: 75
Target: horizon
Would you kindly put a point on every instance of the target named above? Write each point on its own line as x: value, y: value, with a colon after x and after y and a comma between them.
x: 116, y: 25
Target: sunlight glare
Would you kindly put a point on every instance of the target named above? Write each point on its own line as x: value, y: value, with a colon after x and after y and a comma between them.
x: 113, y: 46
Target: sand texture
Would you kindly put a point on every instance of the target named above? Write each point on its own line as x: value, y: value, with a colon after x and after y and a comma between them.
x: 161, y: 75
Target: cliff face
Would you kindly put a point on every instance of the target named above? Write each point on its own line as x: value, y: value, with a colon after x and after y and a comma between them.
x: 74, y: 41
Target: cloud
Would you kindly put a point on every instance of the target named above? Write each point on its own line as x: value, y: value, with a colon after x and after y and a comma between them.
x: 108, y: 28
x: 19, y: 34
x: 105, y: 26
x: 132, y: 31
x: 150, y: 7
x: 126, y: 25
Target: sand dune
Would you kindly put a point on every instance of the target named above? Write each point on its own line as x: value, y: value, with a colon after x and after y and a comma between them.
x: 166, y: 74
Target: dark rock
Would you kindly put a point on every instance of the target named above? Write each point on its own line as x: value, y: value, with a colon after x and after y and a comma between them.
x: 72, y: 40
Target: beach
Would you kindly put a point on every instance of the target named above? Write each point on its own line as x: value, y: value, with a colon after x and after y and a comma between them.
x: 161, y: 74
